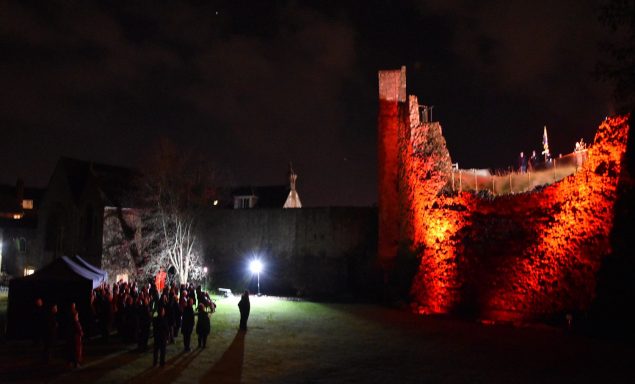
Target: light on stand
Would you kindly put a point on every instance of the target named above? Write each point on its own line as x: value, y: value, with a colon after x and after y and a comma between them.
x: 256, y: 267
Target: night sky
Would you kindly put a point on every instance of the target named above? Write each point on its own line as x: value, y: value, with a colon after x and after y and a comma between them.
x: 257, y: 84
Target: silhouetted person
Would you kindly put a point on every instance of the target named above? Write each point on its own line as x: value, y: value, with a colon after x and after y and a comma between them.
x: 105, y: 315
x: 522, y: 163
x: 187, y: 324
x: 244, y: 306
x: 203, y: 326
x: 183, y: 299
x: 163, y: 303
x: 174, y: 316
x: 154, y: 293
x: 74, y: 340
x: 38, y: 322
x: 130, y: 320
x: 533, y: 161
x: 145, y: 319
x: 72, y: 331
x: 50, y: 337
x: 199, y: 294
x: 161, y: 333
x: 91, y: 322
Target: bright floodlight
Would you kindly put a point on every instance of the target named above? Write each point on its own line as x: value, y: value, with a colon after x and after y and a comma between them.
x: 255, y: 266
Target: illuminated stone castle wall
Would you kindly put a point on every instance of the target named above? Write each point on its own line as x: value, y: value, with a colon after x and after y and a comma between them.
x: 391, y: 122
x: 516, y: 257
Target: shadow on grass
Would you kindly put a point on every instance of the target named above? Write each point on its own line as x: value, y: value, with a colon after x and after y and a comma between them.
x: 22, y: 362
x: 28, y: 368
x: 173, y: 368
x: 95, y: 369
x: 229, y: 368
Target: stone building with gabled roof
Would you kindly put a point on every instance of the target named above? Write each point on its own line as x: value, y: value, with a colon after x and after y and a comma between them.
x: 268, y: 196
x: 73, y: 207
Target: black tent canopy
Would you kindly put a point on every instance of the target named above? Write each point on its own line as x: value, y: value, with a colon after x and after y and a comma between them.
x: 77, y: 259
x: 61, y: 282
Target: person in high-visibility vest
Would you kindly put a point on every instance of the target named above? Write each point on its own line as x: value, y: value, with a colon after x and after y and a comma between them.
x: 160, y: 280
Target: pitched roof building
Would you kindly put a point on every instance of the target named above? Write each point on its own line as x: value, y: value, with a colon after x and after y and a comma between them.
x: 73, y: 208
x: 270, y: 196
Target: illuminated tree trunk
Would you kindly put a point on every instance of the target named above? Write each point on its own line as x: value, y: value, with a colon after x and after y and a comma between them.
x: 179, y: 246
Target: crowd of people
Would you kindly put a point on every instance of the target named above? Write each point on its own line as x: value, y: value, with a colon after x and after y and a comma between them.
x: 49, y: 326
x: 533, y: 162
x: 135, y: 312
x: 580, y: 152
x: 527, y: 163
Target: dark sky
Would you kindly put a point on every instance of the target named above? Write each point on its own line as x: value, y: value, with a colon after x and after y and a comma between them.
x: 256, y: 84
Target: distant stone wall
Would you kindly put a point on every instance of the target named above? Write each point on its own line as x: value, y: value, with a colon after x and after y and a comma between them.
x: 306, y: 252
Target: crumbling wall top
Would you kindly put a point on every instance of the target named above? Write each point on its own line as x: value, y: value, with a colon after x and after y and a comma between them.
x: 392, y: 85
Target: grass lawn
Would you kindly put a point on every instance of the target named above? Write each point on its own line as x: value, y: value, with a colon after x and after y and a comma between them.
x: 304, y: 342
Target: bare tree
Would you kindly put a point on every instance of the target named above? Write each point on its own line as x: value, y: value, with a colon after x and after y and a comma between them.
x: 117, y: 255
x: 175, y: 187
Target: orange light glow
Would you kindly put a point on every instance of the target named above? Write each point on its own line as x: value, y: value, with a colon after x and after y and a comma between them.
x: 548, y: 261
x: 557, y: 273
x: 515, y: 257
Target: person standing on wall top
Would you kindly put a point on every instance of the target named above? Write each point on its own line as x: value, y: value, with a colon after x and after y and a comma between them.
x: 522, y: 163
x: 533, y: 161
x: 244, y: 306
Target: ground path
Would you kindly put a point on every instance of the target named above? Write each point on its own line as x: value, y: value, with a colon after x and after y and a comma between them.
x: 302, y: 342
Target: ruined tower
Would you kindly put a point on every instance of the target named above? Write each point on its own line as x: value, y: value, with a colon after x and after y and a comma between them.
x: 392, y: 113
x: 413, y: 165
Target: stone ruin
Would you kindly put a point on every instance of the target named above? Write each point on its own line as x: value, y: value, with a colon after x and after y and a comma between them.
x: 519, y: 257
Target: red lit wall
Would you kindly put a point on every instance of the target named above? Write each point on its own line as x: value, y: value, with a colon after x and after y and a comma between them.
x: 516, y: 257
x: 392, y: 108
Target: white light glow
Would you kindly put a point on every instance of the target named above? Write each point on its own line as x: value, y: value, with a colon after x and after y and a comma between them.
x: 255, y: 266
